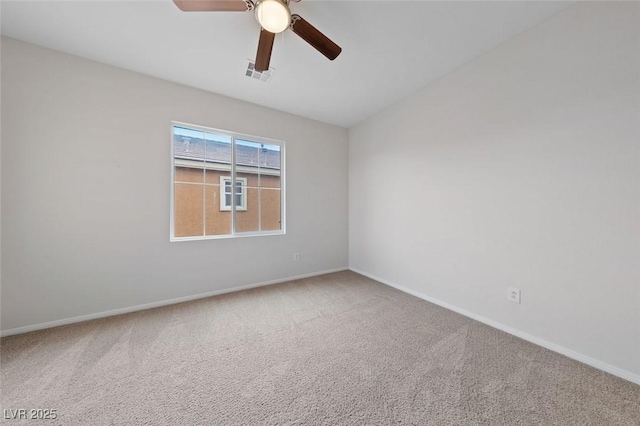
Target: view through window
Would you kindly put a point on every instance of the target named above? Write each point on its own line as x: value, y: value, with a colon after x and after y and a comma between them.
x: 205, y: 163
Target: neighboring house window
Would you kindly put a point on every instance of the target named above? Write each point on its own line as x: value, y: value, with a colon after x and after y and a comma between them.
x: 225, y: 184
x: 241, y: 193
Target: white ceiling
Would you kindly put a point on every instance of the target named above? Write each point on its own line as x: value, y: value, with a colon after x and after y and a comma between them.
x: 390, y: 48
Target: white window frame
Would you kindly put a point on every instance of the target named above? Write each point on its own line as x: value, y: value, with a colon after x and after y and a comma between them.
x: 233, y: 136
x: 223, y: 194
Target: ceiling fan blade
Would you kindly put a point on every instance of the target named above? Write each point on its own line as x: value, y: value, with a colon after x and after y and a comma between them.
x: 311, y: 35
x: 265, y: 44
x: 212, y: 5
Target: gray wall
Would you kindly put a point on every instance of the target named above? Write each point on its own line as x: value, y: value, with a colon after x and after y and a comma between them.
x: 519, y: 169
x: 86, y: 181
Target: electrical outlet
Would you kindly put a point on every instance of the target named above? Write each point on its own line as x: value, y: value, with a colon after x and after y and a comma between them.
x: 296, y: 257
x: 513, y: 294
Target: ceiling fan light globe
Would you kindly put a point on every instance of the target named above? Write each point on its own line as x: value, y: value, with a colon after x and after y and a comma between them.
x: 273, y: 15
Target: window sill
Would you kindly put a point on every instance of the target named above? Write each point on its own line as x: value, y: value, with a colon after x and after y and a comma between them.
x: 226, y: 237
x: 238, y: 209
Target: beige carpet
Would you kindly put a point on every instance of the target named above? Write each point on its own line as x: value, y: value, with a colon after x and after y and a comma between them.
x: 336, y: 349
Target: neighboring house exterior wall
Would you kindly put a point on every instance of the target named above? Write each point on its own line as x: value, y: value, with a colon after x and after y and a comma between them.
x: 195, y: 207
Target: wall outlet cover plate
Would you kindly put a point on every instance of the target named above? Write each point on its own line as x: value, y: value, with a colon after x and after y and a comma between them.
x: 513, y: 294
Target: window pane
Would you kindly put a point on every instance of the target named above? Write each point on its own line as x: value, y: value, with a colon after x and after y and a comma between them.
x: 188, y: 206
x: 270, y: 166
x: 247, y: 153
x: 239, y: 194
x: 218, y: 222
x: 260, y: 161
x: 218, y: 157
x: 270, y: 214
x: 188, y: 160
x: 225, y: 202
x: 248, y: 161
x: 247, y: 218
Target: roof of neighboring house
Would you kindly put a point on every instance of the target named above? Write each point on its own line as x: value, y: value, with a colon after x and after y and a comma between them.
x: 220, y: 152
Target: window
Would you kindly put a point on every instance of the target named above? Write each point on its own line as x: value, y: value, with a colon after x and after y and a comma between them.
x: 205, y: 162
x: 241, y: 194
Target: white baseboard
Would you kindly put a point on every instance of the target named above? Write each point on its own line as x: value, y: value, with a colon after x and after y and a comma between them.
x: 57, y: 323
x: 600, y: 365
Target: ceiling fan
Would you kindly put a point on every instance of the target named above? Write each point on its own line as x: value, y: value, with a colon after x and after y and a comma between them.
x: 274, y: 16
